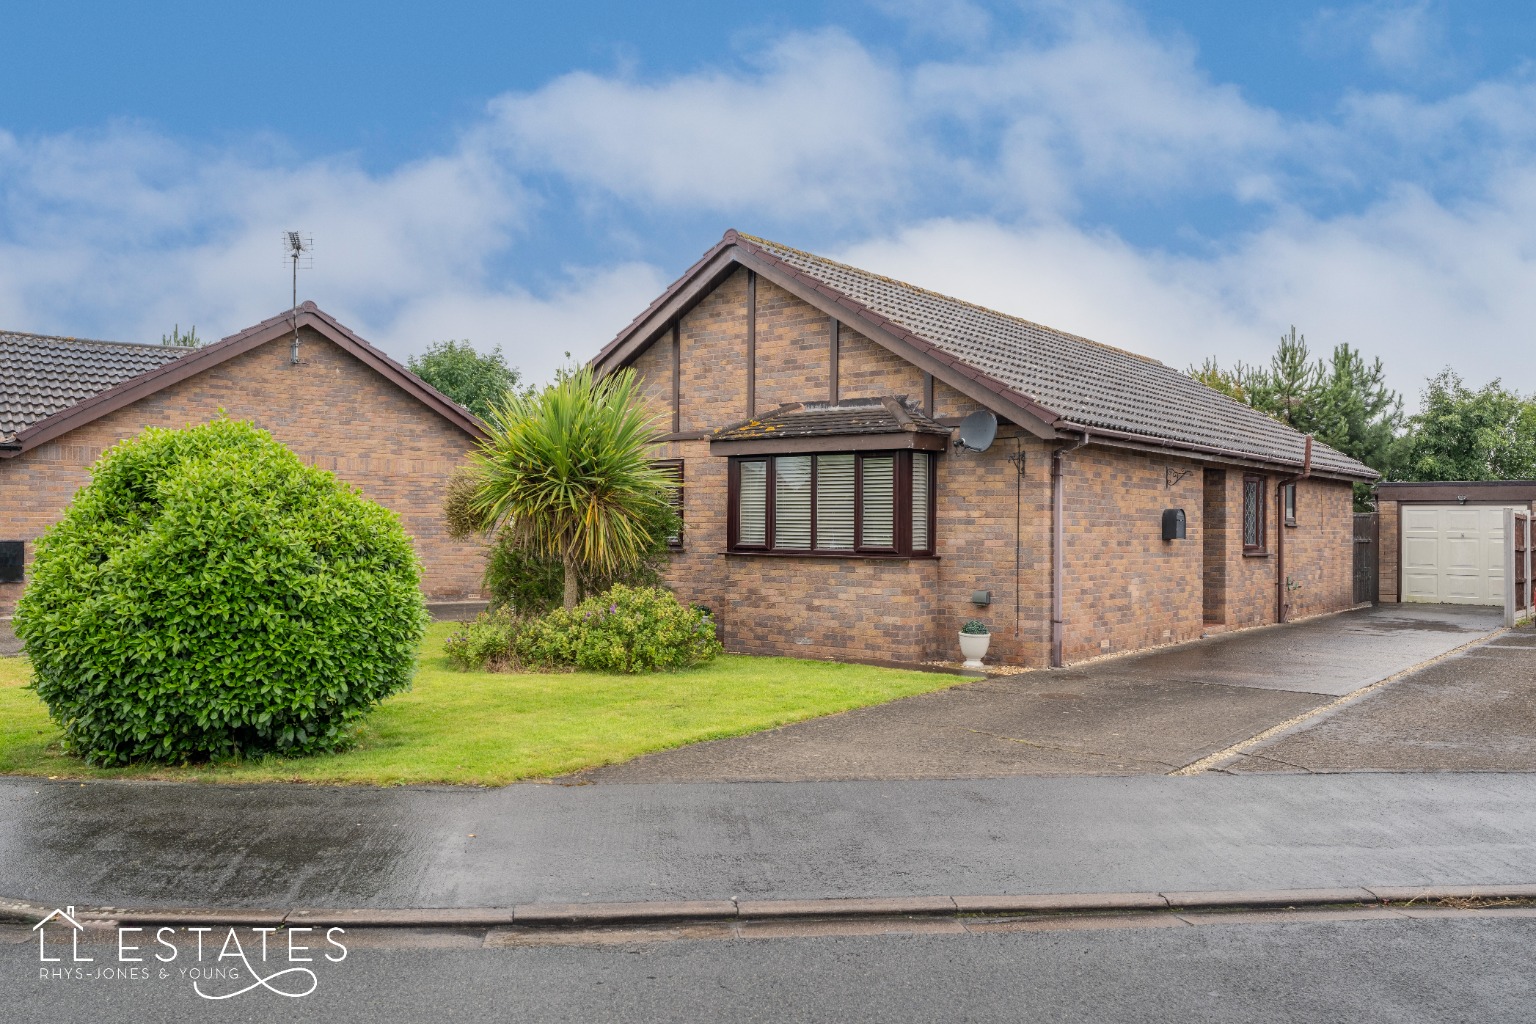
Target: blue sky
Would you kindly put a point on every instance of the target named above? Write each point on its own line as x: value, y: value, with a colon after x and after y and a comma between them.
x: 1180, y: 179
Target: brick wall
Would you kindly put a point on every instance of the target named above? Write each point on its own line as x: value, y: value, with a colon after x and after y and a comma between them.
x: 1320, y: 548
x: 1126, y: 588
x: 1319, y: 552
x: 334, y: 411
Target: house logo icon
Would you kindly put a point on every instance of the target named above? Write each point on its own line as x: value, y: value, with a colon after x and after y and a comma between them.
x: 65, y: 916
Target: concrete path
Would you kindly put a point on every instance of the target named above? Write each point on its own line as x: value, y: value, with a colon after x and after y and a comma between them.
x: 147, y: 844
x: 1145, y: 714
x: 1474, y: 711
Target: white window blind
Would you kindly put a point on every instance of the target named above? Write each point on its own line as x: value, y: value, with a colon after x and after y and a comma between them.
x: 879, y: 499
x: 792, y: 502
x: 834, y: 503
x: 752, y: 525
x: 920, y: 466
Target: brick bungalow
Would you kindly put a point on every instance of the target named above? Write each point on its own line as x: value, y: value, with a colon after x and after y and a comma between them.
x: 811, y: 409
x: 337, y: 401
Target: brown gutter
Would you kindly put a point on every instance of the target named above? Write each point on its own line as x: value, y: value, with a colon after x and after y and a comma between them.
x: 1233, y: 454
x: 1282, y: 593
x: 1058, y: 540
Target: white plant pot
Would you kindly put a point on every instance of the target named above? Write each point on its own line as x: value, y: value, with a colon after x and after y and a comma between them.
x: 974, y: 647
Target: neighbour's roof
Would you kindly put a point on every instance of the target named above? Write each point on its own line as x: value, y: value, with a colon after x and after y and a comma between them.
x: 40, y: 374
x: 60, y: 384
x: 1085, y: 383
x: 887, y: 415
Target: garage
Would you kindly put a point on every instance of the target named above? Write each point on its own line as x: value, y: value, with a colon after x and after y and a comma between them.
x: 1442, y: 541
x: 1453, y: 554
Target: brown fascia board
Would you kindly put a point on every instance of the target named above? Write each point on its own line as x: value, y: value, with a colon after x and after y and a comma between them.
x: 1197, y: 452
x: 671, y: 304
x: 888, y: 441
x: 177, y: 370
x: 1452, y: 491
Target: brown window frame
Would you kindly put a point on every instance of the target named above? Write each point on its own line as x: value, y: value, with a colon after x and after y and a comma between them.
x: 1288, y: 503
x: 675, y: 467
x: 901, y: 532
x: 1260, y: 519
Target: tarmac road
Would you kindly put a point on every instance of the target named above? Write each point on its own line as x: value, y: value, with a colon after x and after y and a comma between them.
x: 1457, y: 969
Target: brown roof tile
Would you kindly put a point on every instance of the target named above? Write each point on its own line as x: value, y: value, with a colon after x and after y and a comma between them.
x: 1073, y: 381
x: 40, y: 375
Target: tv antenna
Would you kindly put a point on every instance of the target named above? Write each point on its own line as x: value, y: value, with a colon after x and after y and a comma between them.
x: 298, y: 250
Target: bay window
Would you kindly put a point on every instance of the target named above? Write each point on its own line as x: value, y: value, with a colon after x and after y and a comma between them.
x: 840, y: 503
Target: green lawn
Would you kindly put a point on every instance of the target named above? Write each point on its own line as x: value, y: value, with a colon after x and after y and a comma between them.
x: 487, y: 729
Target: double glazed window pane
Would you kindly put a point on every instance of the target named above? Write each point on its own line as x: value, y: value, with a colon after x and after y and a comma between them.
x: 792, y: 502
x: 1253, y: 523
x: 834, y: 503
x: 752, y: 527
x: 920, y: 466
x: 878, y: 491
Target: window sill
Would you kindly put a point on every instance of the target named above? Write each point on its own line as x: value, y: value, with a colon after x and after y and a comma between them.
x: 833, y: 556
x: 1255, y: 554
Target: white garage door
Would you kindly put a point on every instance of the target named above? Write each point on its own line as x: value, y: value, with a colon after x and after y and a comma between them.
x: 1453, y: 554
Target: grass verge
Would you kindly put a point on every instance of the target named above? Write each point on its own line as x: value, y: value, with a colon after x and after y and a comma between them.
x: 483, y: 728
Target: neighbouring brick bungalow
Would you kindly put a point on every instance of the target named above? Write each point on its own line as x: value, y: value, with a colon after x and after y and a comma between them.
x: 337, y: 401
x: 810, y: 410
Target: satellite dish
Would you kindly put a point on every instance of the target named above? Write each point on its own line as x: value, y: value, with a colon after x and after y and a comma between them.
x: 977, y: 431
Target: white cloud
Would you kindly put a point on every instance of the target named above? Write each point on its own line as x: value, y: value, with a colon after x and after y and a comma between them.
x: 1419, y: 284
x: 1101, y: 104
x: 813, y: 125
x: 956, y: 20
x: 1402, y: 39
x: 534, y: 331
x: 123, y: 233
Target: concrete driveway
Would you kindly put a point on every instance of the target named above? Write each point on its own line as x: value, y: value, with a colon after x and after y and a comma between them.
x: 1145, y: 714
x: 1472, y: 712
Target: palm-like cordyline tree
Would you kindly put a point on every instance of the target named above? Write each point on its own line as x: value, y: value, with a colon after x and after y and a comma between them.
x: 567, y: 471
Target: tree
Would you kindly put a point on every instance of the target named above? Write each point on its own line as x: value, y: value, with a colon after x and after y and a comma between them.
x: 475, y: 381
x: 208, y: 594
x: 566, y: 473
x: 1228, y: 382
x: 1343, y: 400
x: 179, y: 340
x: 1462, y: 434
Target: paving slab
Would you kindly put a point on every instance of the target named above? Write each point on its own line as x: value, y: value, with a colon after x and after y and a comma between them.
x: 1474, y: 711
x: 1146, y: 714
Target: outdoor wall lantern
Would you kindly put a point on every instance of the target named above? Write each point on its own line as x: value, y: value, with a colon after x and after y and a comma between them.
x: 1173, y: 524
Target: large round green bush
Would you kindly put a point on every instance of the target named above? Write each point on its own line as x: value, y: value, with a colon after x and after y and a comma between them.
x: 209, y: 595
